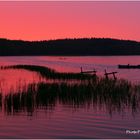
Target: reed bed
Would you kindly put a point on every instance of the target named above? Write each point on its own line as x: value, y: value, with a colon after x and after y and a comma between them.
x: 49, y: 73
x: 113, y: 95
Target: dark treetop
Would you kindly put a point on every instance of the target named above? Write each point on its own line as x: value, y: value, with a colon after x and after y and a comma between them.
x: 82, y: 46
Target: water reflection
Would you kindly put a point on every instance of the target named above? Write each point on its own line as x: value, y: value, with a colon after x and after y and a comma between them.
x: 114, y: 98
x: 73, y: 91
x: 14, y: 79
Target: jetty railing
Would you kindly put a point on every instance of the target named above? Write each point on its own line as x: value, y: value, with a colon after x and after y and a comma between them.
x: 110, y: 73
x: 106, y: 73
x: 90, y: 71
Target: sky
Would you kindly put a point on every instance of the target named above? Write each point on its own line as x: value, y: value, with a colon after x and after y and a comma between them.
x: 56, y: 20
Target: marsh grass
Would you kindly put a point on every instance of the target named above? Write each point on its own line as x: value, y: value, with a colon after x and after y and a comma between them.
x: 49, y: 73
x: 113, y: 95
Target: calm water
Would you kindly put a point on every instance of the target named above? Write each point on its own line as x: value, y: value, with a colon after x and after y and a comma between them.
x: 63, y: 119
x: 73, y: 64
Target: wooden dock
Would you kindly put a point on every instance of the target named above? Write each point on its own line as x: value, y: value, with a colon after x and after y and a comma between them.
x: 94, y: 73
x: 110, y: 73
x: 90, y: 71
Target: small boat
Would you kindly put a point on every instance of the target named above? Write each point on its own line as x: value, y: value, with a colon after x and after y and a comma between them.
x: 129, y: 66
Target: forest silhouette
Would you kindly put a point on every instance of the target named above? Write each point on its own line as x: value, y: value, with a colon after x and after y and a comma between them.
x: 70, y: 47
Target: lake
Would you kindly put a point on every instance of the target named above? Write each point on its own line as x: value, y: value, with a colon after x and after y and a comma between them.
x: 73, y: 64
x: 66, y: 116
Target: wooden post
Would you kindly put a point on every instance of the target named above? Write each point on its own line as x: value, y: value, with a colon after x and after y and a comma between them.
x: 94, y: 72
x: 81, y: 70
x: 106, y: 75
x: 114, y: 76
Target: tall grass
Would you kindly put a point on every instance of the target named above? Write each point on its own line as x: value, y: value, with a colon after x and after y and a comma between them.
x: 49, y: 73
x: 114, y: 95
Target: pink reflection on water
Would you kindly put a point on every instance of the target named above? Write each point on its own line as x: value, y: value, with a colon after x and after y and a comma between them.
x: 73, y: 64
x: 17, y: 80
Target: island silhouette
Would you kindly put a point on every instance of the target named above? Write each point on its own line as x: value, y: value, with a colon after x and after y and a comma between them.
x: 69, y: 47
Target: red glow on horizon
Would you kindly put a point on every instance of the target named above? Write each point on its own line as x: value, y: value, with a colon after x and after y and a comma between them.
x: 54, y: 20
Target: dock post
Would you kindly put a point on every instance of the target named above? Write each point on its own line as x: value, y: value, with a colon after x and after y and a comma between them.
x: 94, y: 72
x: 106, y: 75
x: 81, y: 70
x: 114, y: 76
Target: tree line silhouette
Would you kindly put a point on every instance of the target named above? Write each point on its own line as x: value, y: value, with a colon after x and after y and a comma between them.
x: 82, y: 46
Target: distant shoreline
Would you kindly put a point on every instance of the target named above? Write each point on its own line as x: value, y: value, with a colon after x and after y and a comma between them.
x: 63, y: 55
x: 70, y: 47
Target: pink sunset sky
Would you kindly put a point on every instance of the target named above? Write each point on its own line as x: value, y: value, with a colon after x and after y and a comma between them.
x: 53, y: 20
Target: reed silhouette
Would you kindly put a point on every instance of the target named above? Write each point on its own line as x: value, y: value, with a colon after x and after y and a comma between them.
x: 83, y: 91
x: 115, y: 96
x: 49, y: 73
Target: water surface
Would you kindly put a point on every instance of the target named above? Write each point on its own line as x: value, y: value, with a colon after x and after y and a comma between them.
x: 73, y: 64
x: 66, y: 116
